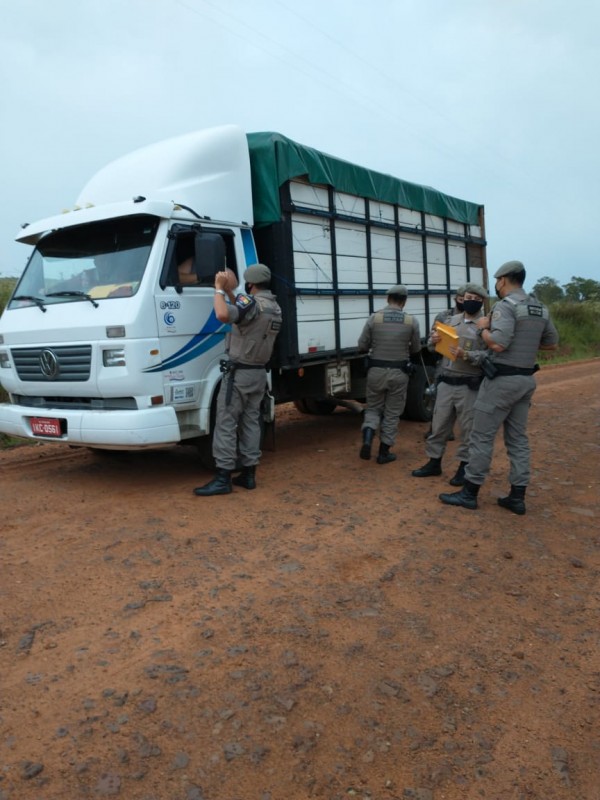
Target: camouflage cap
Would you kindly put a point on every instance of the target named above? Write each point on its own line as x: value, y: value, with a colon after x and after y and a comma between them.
x: 399, y: 288
x: 509, y: 268
x: 476, y: 288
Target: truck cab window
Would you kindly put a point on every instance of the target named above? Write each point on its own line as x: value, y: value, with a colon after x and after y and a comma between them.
x: 191, y: 263
x: 101, y: 260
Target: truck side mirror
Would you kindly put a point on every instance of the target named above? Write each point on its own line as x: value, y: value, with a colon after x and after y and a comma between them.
x: 209, y: 255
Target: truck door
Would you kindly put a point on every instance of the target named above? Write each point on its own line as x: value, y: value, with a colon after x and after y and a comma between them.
x: 191, y: 338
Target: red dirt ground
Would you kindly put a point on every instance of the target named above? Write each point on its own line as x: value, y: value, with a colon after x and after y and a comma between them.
x: 337, y: 633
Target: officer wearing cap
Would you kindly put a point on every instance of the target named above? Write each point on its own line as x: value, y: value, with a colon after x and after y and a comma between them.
x: 389, y: 337
x: 255, y: 318
x: 443, y: 316
x: 458, y: 383
x: 518, y: 327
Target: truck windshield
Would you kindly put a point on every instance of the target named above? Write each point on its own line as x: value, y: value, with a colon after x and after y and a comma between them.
x: 95, y: 261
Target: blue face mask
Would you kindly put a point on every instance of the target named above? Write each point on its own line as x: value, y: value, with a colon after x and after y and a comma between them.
x: 472, y: 306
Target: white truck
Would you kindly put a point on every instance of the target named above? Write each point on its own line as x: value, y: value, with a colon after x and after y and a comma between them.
x: 104, y: 345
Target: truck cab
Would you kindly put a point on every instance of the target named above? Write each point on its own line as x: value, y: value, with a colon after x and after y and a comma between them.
x: 110, y: 338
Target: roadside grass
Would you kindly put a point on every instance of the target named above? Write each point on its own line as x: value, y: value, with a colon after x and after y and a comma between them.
x: 578, y: 326
x: 6, y: 288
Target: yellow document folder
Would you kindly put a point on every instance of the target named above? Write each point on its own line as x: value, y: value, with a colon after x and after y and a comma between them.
x: 449, y: 339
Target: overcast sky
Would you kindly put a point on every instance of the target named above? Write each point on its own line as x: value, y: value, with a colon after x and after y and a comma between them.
x: 492, y: 101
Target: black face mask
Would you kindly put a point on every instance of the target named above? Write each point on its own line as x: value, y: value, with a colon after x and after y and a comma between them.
x: 472, y: 306
x: 498, y: 295
x: 247, y: 287
x: 460, y: 306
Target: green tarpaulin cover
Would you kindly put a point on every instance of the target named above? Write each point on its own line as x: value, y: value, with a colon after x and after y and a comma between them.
x: 275, y: 159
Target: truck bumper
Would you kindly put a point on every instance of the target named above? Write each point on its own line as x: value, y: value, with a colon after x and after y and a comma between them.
x: 150, y: 427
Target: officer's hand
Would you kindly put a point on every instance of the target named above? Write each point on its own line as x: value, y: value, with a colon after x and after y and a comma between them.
x: 435, y: 337
x: 483, y: 323
x: 221, y: 280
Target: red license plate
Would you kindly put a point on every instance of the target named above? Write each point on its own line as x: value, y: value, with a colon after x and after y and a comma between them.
x: 45, y: 426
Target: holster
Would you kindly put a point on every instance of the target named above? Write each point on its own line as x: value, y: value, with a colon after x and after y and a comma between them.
x: 489, y: 369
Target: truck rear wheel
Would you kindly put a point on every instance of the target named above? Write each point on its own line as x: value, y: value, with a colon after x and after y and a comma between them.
x: 308, y: 405
x: 419, y: 398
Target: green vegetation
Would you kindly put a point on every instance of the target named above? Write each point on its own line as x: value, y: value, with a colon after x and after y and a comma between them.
x: 578, y: 327
x: 575, y: 309
x: 6, y: 287
x: 578, y: 290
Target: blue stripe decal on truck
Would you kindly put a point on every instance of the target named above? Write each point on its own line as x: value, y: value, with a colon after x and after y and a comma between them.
x: 249, y: 248
x: 211, y: 335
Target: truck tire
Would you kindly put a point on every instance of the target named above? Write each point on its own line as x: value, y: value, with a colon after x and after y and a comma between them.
x: 308, y: 405
x: 204, y: 443
x: 204, y: 448
x: 419, y: 400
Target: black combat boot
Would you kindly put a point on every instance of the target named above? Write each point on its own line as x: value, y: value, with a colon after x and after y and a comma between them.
x: 467, y: 497
x: 246, y: 478
x: 459, y: 475
x: 432, y: 467
x: 365, y: 450
x: 384, y: 456
x: 515, y: 501
x: 220, y: 484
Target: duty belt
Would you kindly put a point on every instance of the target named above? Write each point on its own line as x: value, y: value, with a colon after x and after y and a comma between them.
x: 506, y: 369
x: 472, y: 381
x: 230, y: 368
x: 375, y: 362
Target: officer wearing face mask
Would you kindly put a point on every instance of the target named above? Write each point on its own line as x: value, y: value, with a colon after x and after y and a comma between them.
x: 458, y: 383
x: 445, y: 317
x: 255, y: 319
x: 518, y: 327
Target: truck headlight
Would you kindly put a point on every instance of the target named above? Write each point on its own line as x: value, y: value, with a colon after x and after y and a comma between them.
x: 114, y: 358
x: 4, y: 359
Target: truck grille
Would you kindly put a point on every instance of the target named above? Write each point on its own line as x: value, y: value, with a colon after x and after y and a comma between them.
x: 69, y: 363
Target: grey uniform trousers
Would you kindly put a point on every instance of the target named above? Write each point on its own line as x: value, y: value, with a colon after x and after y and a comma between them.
x: 451, y: 403
x: 505, y: 401
x: 237, y: 427
x: 386, y: 398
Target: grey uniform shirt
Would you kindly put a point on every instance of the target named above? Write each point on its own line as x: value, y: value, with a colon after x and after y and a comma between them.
x: 256, y: 322
x: 473, y: 345
x: 520, y: 324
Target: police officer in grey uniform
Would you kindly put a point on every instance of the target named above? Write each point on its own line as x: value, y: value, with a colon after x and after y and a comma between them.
x: 256, y: 321
x: 458, y: 382
x: 519, y: 326
x: 443, y: 316
x: 389, y: 336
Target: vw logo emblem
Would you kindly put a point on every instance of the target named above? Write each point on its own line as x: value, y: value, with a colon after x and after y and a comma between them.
x: 49, y: 364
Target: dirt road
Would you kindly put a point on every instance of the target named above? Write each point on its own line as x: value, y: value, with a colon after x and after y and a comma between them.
x: 337, y: 633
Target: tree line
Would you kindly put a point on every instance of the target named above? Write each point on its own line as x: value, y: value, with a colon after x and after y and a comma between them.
x: 577, y: 290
